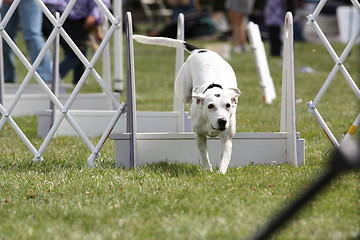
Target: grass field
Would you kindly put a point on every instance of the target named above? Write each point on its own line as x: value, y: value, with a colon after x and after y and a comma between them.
x: 61, y: 198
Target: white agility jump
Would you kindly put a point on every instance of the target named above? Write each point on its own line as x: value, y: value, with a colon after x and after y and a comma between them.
x: 134, y: 149
x: 93, y: 121
x: 339, y: 65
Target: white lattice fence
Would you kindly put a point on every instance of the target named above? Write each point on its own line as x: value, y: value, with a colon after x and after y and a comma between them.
x: 115, y: 22
x: 339, y: 66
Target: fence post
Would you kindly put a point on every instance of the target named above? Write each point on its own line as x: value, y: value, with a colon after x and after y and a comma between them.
x: 178, y: 104
x: 55, y: 73
x: 2, y: 82
x: 288, y: 112
x: 131, y: 127
x: 118, y: 51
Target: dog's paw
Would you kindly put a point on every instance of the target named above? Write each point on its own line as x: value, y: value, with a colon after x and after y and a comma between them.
x: 208, y: 168
x: 222, y: 170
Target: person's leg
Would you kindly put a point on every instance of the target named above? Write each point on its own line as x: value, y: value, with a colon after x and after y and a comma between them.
x: 242, y: 30
x: 31, y: 23
x: 275, y: 40
x: 10, y: 28
x: 234, y: 26
x: 78, y: 72
x: 68, y: 63
x: 71, y: 61
x: 239, y: 31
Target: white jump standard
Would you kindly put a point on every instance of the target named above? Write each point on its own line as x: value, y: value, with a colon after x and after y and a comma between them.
x: 134, y: 149
x: 262, y: 66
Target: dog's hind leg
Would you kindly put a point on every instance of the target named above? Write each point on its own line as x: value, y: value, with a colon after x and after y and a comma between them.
x: 226, y: 155
x: 183, y: 84
x: 202, y: 146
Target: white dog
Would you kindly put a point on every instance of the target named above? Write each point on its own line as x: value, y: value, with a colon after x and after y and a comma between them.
x: 208, y: 83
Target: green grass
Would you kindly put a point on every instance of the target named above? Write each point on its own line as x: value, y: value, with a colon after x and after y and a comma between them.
x: 61, y: 198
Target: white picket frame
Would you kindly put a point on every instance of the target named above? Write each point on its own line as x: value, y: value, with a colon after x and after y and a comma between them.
x: 133, y: 148
x: 63, y: 108
x: 339, y: 65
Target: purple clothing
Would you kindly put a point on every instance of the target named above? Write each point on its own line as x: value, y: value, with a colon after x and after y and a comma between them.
x: 274, y: 13
x: 81, y: 9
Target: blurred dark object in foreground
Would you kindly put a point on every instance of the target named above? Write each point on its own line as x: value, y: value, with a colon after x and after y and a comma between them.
x: 344, y: 158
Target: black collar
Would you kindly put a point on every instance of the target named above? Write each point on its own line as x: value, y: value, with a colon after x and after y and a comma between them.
x: 212, y: 86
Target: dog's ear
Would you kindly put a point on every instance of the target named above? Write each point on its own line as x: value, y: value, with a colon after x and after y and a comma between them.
x: 199, y: 97
x: 234, y: 94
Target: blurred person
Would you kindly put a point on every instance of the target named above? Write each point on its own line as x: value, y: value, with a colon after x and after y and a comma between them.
x: 198, y: 21
x: 274, y: 13
x: 85, y: 18
x: 27, y: 16
x: 181, y: 6
x: 238, y: 10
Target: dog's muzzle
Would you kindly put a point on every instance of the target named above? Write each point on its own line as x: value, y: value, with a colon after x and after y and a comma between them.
x: 222, y: 124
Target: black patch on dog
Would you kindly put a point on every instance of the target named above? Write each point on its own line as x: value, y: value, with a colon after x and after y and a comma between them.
x: 190, y: 47
x: 212, y: 86
x: 202, y: 51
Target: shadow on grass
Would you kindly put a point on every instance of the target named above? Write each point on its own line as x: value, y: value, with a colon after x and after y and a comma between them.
x: 80, y: 164
x: 41, y: 167
x: 174, y: 169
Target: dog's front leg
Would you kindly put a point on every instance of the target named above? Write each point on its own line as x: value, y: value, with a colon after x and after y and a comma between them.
x: 226, y: 154
x: 202, y: 146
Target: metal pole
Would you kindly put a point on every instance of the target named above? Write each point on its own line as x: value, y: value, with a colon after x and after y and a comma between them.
x: 178, y: 104
x: 106, y: 66
x: 2, y: 81
x: 55, y: 74
x: 95, y: 154
x: 130, y: 91
x: 118, y: 50
x: 322, y: 123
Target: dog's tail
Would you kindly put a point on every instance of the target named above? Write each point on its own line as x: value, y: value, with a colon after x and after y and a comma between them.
x: 163, y: 41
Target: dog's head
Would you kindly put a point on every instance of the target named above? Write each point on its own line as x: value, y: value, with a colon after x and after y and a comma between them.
x: 217, y: 106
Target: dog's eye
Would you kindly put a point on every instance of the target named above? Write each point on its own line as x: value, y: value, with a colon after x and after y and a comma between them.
x: 228, y: 105
x: 211, y: 106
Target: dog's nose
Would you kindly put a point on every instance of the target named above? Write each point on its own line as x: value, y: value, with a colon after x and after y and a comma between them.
x: 222, y: 124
